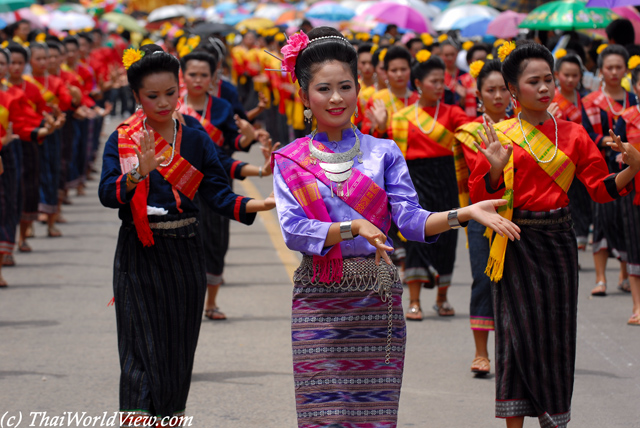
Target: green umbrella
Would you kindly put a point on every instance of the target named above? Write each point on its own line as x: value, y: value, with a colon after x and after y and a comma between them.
x: 455, y: 3
x: 567, y: 15
x: 11, y: 5
x: 126, y: 21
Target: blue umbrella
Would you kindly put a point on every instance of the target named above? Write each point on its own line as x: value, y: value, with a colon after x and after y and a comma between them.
x: 223, y: 8
x: 442, y: 5
x: 330, y: 12
x: 235, y: 18
x: 472, y: 26
x: 3, y: 24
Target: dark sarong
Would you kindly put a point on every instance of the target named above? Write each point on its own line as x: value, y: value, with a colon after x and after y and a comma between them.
x: 631, y: 218
x: 437, y: 188
x: 580, y: 205
x: 66, y: 150
x: 30, y: 181
x: 536, y: 305
x: 49, y: 173
x: 607, y: 229
x: 481, y: 305
x: 339, y: 350
x: 215, y: 239
x: 159, y: 297
x: 9, y: 213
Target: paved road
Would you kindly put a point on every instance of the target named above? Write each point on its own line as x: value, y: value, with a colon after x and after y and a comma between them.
x: 58, y: 342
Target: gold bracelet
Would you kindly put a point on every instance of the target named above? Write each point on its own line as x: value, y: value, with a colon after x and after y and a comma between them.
x: 132, y: 180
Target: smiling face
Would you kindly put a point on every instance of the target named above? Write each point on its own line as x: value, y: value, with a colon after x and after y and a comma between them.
x: 536, y: 87
x: 197, y: 77
x: 158, y: 95
x: 569, y: 76
x: 494, y: 94
x: 332, y: 96
x: 398, y: 74
x: 613, y: 70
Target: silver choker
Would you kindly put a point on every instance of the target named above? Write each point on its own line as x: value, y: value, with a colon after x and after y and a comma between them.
x: 336, y: 166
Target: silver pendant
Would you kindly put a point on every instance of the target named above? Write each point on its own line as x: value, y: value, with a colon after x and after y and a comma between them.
x: 336, y: 167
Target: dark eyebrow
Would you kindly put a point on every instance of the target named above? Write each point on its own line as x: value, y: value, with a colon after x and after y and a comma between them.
x: 340, y: 83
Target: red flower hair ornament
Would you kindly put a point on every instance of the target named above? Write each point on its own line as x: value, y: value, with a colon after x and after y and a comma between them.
x: 290, y: 52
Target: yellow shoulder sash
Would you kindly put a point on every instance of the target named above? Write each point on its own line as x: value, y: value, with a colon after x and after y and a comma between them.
x: 418, y: 117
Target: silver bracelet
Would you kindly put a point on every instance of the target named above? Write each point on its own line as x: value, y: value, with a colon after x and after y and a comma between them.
x: 345, y: 231
x: 260, y: 172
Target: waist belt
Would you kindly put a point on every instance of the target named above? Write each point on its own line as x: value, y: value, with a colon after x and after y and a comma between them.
x: 176, y: 224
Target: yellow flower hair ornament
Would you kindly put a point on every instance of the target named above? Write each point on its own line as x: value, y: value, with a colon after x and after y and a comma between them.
x: 4, y: 44
x: 634, y: 61
x: 423, y: 55
x: 131, y: 56
x: 505, y: 50
x: 467, y: 45
x: 41, y: 38
x: 499, y: 42
x: 560, y: 53
x: 280, y: 37
x: 376, y: 39
x: 427, y: 39
x: 601, y: 48
x: 442, y: 38
x: 490, y: 56
x: 382, y: 54
x: 146, y: 42
x: 475, y: 67
x: 373, y: 49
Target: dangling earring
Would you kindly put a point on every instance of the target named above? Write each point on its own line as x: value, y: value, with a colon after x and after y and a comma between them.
x: 308, y: 115
x: 139, y: 111
x: 480, y: 106
x: 420, y: 91
x: 179, y: 106
x: 636, y: 98
x: 386, y: 82
x: 356, y: 114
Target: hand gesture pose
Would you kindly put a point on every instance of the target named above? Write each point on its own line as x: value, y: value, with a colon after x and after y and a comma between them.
x: 246, y: 129
x: 484, y: 212
x: 497, y: 154
x: 9, y: 136
x: 378, y: 115
x: 628, y: 153
x: 371, y: 233
x: 267, y: 149
x: 147, y: 159
x: 554, y: 110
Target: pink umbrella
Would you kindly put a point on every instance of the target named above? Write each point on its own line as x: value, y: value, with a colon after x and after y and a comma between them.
x: 505, y: 26
x: 401, y: 15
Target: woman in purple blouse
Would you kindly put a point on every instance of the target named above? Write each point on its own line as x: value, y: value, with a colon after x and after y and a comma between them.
x: 337, y: 192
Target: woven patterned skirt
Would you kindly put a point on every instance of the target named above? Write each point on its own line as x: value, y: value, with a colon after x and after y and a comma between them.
x: 9, y: 209
x: 481, y: 304
x: 437, y: 188
x: 631, y: 218
x: 608, y: 233
x: 345, y: 375
x: 30, y: 180
x: 159, y: 297
x: 581, y: 211
x: 49, y: 173
x: 215, y: 239
x: 536, y: 305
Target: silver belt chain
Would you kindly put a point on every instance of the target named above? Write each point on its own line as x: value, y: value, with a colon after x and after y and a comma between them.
x: 358, y: 274
x: 176, y: 224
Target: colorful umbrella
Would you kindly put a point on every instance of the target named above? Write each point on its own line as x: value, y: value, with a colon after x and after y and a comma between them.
x: 612, y: 3
x: 205, y: 29
x: 567, y: 15
x: 255, y: 24
x: 400, y: 15
x: 11, y: 5
x: 472, y: 26
x: 290, y: 15
x: 236, y: 18
x: 425, y: 9
x: 632, y: 14
x: 505, y: 26
x: 330, y: 12
x: 127, y: 22
x: 448, y: 17
x: 169, y: 12
x: 60, y: 21
x: 520, y: 6
x: 456, y: 3
x: 271, y: 11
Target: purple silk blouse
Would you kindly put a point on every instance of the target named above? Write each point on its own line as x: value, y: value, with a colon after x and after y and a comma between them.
x: 384, y: 164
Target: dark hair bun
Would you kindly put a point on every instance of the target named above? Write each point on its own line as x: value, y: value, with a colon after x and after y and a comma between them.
x: 515, y: 63
x: 155, y: 60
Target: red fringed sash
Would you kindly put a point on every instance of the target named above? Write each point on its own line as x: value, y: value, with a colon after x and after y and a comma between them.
x: 360, y: 192
x: 596, y: 101
x: 179, y: 173
x: 569, y: 110
x: 205, y: 120
x: 632, y: 118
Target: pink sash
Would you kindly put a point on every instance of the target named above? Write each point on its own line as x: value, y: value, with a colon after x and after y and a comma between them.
x: 360, y: 192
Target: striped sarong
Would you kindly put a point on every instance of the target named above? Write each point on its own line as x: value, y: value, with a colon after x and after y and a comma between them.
x: 49, y: 173
x: 9, y: 211
x: 437, y: 188
x: 608, y: 233
x: 580, y: 203
x: 536, y: 305
x: 30, y: 180
x: 631, y: 220
x: 159, y: 295
x: 214, y: 230
x: 339, y: 349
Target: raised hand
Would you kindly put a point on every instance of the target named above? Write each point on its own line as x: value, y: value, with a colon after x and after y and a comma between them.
x: 147, y: 160
x: 497, y: 154
x: 485, y: 213
x: 630, y: 155
x: 246, y: 129
x: 554, y: 110
x: 375, y: 237
x: 266, y: 152
x: 379, y: 112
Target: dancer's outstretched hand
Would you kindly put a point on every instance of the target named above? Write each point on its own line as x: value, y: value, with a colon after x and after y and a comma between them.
x: 497, y: 154
x: 485, y: 213
x: 630, y: 155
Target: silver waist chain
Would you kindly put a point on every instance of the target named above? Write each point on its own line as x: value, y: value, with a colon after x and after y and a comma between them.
x: 358, y: 274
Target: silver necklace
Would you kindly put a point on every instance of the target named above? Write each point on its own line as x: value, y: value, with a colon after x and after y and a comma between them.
x: 529, y: 145
x: 206, y: 103
x: 624, y: 103
x: 173, y: 143
x: 435, y: 118
x: 394, y: 99
x: 336, y: 166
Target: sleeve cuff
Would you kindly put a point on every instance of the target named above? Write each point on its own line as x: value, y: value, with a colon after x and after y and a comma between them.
x: 121, y: 190
x: 34, y: 136
x: 236, y: 168
x: 489, y: 187
x: 612, y: 188
x: 240, y: 211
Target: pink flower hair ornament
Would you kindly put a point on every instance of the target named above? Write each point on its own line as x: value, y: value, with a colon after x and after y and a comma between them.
x: 291, y: 50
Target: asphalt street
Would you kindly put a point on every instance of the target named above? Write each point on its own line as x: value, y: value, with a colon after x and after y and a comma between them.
x: 58, y: 349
